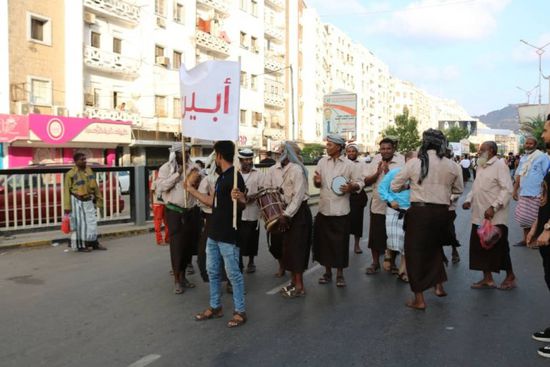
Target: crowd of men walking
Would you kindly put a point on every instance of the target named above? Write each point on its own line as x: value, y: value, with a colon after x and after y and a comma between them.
x: 412, y: 212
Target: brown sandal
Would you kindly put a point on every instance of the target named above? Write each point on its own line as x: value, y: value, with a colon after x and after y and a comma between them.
x: 373, y: 269
x: 209, y: 313
x: 325, y: 279
x: 340, y: 282
x: 238, y: 319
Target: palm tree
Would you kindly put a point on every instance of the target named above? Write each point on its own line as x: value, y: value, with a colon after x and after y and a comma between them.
x: 534, y: 126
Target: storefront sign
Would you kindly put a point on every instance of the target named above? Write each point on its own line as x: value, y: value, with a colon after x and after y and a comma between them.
x: 13, y: 127
x: 340, y: 114
x: 60, y: 130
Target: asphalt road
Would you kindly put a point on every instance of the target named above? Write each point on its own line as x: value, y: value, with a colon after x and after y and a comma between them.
x: 116, y: 308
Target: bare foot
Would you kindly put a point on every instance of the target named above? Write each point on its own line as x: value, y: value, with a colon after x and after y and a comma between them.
x: 507, y: 285
x: 440, y: 291
x: 416, y: 306
x: 280, y: 273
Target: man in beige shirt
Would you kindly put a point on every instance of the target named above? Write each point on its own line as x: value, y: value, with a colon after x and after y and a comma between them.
x: 432, y: 179
x: 489, y: 199
x: 183, y: 217
x: 332, y: 223
x: 357, y: 201
x: 377, y: 169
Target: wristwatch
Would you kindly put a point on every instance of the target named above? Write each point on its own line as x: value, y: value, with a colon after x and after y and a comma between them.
x: 547, y: 226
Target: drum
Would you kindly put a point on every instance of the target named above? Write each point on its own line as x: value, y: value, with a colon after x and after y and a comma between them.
x: 337, y: 182
x: 272, y: 207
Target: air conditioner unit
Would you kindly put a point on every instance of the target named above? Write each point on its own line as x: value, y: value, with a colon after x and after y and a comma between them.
x: 89, y: 18
x: 23, y: 108
x: 60, y: 111
x: 161, y: 22
x: 162, y: 60
x: 89, y: 99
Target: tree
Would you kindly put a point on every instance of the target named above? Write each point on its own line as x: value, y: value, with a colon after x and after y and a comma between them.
x: 534, y: 126
x: 311, y: 152
x: 456, y: 134
x: 406, y: 131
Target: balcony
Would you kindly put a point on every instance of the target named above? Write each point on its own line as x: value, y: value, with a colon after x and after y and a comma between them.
x: 114, y: 115
x: 109, y: 62
x: 116, y: 9
x: 274, y: 63
x: 211, y: 43
x: 273, y: 31
x: 275, y: 100
x: 275, y: 133
x: 275, y: 4
x: 218, y: 5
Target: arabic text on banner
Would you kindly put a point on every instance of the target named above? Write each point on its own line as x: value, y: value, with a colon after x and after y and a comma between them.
x: 210, y: 100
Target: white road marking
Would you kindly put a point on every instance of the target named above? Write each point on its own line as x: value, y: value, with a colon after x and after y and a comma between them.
x: 145, y: 360
x: 307, y: 272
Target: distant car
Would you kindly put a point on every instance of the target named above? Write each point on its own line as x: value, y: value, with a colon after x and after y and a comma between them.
x: 35, y: 199
x: 124, y: 182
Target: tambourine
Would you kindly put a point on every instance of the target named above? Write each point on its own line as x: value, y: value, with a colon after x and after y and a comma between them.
x: 337, y: 182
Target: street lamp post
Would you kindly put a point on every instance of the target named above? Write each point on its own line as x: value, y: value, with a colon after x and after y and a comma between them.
x: 528, y: 92
x: 539, y: 51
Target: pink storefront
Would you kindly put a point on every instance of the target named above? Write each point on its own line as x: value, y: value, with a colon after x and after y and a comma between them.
x: 54, y: 139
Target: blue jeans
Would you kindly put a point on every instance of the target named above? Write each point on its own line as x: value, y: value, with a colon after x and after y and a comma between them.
x: 215, y: 251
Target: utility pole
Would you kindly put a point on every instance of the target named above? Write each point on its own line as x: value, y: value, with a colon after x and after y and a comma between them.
x: 539, y: 51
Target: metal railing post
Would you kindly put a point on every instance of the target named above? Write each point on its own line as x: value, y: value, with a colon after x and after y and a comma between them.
x: 139, y: 195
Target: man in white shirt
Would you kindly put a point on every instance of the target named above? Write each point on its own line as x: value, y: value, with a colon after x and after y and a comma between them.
x: 465, y: 163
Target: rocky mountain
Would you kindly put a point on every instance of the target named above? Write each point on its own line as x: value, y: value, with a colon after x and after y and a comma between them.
x: 505, y: 118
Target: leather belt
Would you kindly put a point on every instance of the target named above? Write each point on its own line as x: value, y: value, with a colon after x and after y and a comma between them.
x: 418, y: 203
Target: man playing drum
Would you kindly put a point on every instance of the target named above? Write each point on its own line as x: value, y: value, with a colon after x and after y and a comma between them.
x: 337, y: 177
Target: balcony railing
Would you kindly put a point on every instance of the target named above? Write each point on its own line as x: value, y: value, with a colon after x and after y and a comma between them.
x: 114, y: 115
x: 276, y: 4
x: 275, y: 63
x: 275, y: 133
x: 212, y: 43
x: 110, y: 62
x: 273, y: 31
x: 274, y: 99
x: 218, y: 5
x: 117, y: 9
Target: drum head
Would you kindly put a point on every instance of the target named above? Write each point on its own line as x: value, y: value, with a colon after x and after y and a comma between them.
x: 336, y: 183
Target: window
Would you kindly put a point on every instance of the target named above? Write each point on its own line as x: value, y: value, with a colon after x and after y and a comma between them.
x: 179, y: 13
x: 254, y: 45
x: 243, y: 117
x: 254, y: 7
x: 243, y: 40
x: 41, y: 91
x: 115, y: 99
x: 176, y: 60
x: 176, y: 112
x: 95, y: 39
x: 117, y: 45
x: 159, y: 7
x: 256, y: 118
x: 253, y: 82
x: 243, y: 80
x: 39, y: 29
x: 159, y: 51
x: 160, y: 106
x: 242, y: 4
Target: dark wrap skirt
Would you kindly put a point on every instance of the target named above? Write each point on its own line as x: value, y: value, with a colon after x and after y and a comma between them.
x: 493, y: 260
x: 248, y: 237
x: 331, y: 240
x: 357, y: 203
x: 450, y: 239
x: 425, y: 232
x: 377, y: 232
x: 275, y: 244
x: 297, y: 241
x: 184, y: 231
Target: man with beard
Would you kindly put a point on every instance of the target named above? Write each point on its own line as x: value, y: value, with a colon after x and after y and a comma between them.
x: 432, y: 178
x: 183, y: 217
x: 296, y: 222
x: 489, y: 199
x: 539, y: 236
x: 532, y: 168
x: 332, y: 223
x: 249, y: 232
x: 357, y: 201
x: 377, y: 169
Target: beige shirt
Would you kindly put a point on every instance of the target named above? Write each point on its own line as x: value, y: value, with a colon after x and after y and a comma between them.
x: 295, y: 188
x: 253, y: 181
x: 492, y: 187
x: 331, y: 204
x: 361, y: 167
x: 444, y: 179
x: 154, y: 193
x: 377, y: 205
x: 171, y: 186
x: 455, y: 197
x: 206, y: 187
x: 274, y: 176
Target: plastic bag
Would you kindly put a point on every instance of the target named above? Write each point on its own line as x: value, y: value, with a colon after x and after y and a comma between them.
x: 66, y: 224
x: 489, y: 234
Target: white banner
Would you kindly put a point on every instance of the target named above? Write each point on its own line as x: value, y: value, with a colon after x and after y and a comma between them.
x: 210, y: 100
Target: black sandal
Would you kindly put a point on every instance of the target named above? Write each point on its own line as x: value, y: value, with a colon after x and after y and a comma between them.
x: 340, y: 282
x: 287, y: 288
x: 294, y: 293
x: 373, y: 269
x: 325, y: 279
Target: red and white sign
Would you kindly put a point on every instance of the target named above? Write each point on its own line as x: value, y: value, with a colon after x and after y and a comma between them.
x: 210, y: 100
x: 13, y: 127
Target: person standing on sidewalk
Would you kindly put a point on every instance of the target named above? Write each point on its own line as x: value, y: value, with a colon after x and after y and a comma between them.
x: 532, y: 168
x: 222, y: 237
x: 357, y: 201
x: 81, y: 196
x: 539, y: 236
x: 159, y: 216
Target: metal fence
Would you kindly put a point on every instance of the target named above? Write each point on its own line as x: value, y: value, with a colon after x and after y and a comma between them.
x: 32, y: 198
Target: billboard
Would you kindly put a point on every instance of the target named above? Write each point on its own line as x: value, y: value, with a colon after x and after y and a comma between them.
x: 470, y: 125
x: 340, y: 115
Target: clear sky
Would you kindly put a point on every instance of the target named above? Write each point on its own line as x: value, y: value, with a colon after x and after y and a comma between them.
x: 467, y: 50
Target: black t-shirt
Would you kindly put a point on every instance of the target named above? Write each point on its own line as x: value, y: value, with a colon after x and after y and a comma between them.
x: 220, y: 224
x: 544, y: 210
x: 511, y: 162
x: 268, y: 161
